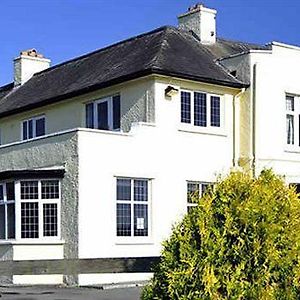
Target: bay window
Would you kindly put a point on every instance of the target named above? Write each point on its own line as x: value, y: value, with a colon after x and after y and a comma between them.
x: 30, y: 209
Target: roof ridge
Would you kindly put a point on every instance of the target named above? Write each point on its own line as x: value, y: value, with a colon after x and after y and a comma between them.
x: 240, y: 42
x: 6, y: 86
x: 161, y: 28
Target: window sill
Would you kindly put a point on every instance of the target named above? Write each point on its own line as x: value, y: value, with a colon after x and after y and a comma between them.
x: 292, y: 149
x: 203, y: 130
x: 134, y: 241
x: 32, y: 242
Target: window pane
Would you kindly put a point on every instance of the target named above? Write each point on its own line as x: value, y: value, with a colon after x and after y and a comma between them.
x: 192, y: 192
x: 123, y: 189
x: 140, y: 219
x: 116, y: 112
x: 204, y: 188
x: 215, y: 111
x: 289, y: 102
x: 50, y: 189
x: 185, y: 107
x: 200, y: 109
x: 30, y: 129
x: 123, y: 219
x: 2, y: 221
x: 103, y: 115
x: 1, y: 193
x: 25, y: 135
x: 11, y: 226
x: 89, y: 115
x: 290, y: 129
x: 40, y: 127
x: 29, y: 220
x: 50, y: 219
x: 29, y: 190
x: 140, y: 190
x: 10, y: 191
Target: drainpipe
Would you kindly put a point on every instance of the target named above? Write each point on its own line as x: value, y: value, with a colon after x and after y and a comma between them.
x: 236, y: 124
x: 253, y: 166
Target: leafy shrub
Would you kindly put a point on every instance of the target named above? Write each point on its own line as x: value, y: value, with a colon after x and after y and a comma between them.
x: 242, y: 241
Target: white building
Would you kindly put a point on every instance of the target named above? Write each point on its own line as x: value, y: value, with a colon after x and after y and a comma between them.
x: 98, y: 154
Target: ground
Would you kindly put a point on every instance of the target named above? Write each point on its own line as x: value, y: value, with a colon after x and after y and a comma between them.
x: 68, y: 293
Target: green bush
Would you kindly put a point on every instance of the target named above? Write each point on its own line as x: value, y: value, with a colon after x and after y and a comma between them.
x: 242, y: 241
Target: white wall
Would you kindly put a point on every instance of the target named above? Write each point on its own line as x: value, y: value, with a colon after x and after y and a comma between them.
x: 164, y: 152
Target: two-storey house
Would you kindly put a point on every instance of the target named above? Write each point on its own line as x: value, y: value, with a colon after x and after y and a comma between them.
x: 99, y: 154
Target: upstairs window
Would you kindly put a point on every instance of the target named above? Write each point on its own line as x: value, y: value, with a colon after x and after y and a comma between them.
x: 292, y: 106
x: 195, y: 190
x: 104, y: 113
x: 201, y: 109
x: 33, y: 127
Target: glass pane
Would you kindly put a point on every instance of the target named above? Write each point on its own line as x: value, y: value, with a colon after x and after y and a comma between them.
x: 123, y: 219
x: 10, y: 191
x: 289, y: 102
x: 140, y: 219
x: 103, y: 115
x: 29, y: 190
x: 116, y: 112
x: 11, y: 226
x: 29, y: 220
x: 204, y: 188
x: 25, y: 135
x: 215, y: 113
x: 140, y: 190
x: 185, y: 107
x: 1, y: 193
x: 50, y: 219
x: 30, y: 129
x: 40, y: 127
x: 192, y: 192
x: 290, y: 129
x: 89, y: 115
x: 123, y: 189
x: 2, y: 221
x: 200, y: 109
x: 50, y: 189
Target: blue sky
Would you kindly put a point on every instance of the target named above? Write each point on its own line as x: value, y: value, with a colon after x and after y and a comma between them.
x: 63, y: 29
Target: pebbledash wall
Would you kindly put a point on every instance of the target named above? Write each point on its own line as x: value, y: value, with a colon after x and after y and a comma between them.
x: 165, y: 151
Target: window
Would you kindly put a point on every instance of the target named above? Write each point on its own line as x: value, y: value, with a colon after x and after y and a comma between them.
x: 201, y: 109
x: 32, y: 128
x: 104, y: 113
x: 132, y: 207
x: 7, y: 211
x: 37, y: 207
x: 195, y: 190
x: 292, y: 105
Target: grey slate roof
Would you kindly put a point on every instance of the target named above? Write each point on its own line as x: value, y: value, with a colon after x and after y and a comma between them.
x: 166, y: 50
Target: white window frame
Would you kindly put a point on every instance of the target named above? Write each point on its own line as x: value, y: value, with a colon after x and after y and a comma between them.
x: 110, y: 118
x: 41, y: 203
x: 208, y: 128
x: 296, y: 115
x: 34, y: 120
x: 200, y: 183
x: 133, y: 239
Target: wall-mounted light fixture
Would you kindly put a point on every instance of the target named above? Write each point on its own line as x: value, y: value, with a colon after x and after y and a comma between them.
x: 170, y: 91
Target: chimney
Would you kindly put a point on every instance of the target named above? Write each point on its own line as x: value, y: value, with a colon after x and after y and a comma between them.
x: 28, y: 63
x: 201, y: 21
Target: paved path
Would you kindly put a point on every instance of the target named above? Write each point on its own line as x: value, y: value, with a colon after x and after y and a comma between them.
x: 68, y: 293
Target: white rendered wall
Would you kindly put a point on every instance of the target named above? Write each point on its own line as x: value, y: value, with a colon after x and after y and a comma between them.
x: 277, y: 74
x: 166, y: 153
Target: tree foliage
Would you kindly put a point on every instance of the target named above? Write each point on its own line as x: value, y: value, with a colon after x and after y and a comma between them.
x: 242, y: 241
